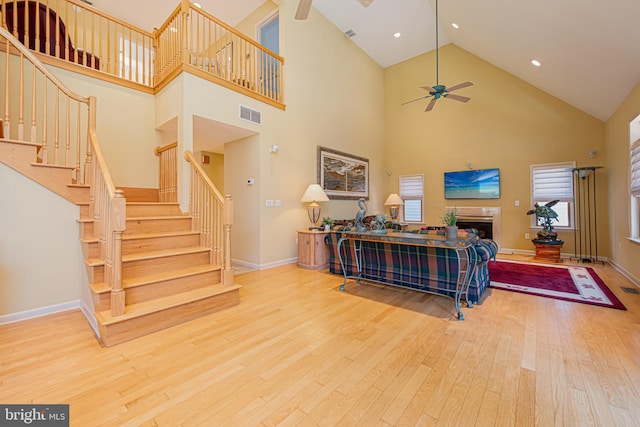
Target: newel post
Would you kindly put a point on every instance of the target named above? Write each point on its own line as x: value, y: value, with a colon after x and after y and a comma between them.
x: 227, y: 271
x: 118, y: 225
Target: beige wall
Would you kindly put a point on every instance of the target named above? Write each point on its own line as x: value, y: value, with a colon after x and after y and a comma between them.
x: 40, y: 255
x: 624, y: 253
x: 215, y: 168
x: 508, y: 124
x: 125, y: 128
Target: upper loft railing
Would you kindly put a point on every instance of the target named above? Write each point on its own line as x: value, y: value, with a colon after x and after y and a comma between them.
x: 70, y: 34
x: 196, y: 41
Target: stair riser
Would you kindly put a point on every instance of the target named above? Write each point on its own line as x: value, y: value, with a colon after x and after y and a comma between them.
x: 101, y: 301
x: 156, y: 225
x: 95, y: 274
x: 153, y: 210
x: 86, y: 230
x: 133, y: 328
x: 165, y: 288
x: 84, y: 211
x: 133, y: 246
x: 90, y: 249
x: 132, y: 269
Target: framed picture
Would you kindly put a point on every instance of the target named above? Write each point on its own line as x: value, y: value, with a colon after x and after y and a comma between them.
x: 342, y: 175
x: 472, y: 184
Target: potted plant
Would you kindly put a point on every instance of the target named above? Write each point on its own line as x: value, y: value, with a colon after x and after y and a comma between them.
x: 449, y: 219
x: 546, y: 217
x: 327, y: 223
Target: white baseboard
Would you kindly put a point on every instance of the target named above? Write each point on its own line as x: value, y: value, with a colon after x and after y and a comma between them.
x: 91, y: 318
x: 625, y: 273
x: 263, y: 266
x: 39, y: 312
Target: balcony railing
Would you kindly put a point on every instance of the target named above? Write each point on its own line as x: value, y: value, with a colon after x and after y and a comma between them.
x: 73, y: 35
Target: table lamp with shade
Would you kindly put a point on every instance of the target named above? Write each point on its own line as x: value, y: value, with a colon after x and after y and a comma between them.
x: 314, y: 194
x: 394, y: 201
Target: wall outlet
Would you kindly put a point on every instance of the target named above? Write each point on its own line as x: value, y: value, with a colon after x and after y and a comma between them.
x: 526, y: 235
x: 517, y: 203
x: 269, y: 203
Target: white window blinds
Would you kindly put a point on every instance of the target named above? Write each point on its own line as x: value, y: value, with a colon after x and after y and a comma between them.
x: 552, y: 182
x: 411, y: 192
x: 635, y: 168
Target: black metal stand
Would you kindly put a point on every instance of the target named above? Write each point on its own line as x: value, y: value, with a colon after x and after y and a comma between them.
x: 585, y: 234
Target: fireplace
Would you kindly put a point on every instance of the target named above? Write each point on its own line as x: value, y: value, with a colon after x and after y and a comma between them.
x: 488, y: 221
x: 484, y: 225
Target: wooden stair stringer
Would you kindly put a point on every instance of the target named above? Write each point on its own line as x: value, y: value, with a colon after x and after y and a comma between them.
x: 22, y: 155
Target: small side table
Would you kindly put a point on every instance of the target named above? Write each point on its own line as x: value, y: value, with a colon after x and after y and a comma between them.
x: 313, y: 252
x: 548, y: 250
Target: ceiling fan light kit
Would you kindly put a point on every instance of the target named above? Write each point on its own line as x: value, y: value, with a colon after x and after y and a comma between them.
x: 440, y: 91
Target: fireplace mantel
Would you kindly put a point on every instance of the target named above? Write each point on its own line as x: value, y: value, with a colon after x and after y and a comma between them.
x: 479, y: 212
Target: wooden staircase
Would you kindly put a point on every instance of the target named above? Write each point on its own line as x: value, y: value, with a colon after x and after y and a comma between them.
x: 146, y: 268
x: 167, y: 276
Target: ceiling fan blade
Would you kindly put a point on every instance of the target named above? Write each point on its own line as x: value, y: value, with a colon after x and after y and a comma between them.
x: 431, y: 105
x: 428, y: 88
x: 303, y: 9
x: 460, y: 86
x: 457, y: 97
x: 416, y: 99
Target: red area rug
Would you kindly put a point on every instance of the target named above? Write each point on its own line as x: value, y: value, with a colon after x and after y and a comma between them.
x: 569, y: 283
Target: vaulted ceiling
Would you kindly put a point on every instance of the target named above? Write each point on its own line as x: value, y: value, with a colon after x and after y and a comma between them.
x: 589, y: 50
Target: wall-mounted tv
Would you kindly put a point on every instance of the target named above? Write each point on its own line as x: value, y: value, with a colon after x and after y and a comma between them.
x: 472, y: 184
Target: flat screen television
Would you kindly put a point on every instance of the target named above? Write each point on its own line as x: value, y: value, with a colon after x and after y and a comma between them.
x: 472, y: 184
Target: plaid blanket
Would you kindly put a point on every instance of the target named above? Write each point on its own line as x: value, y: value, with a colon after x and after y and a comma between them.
x: 419, y: 267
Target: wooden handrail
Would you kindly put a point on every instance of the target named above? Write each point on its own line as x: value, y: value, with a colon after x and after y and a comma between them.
x: 194, y: 164
x: 159, y: 150
x: 212, y: 218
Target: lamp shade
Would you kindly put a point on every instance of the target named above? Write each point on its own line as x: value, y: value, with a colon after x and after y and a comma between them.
x: 314, y: 193
x: 393, y: 200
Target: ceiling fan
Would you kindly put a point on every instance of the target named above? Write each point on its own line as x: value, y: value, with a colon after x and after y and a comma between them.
x: 440, y: 91
x: 305, y: 6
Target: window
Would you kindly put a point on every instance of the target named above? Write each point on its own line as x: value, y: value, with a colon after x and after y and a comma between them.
x: 411, y: 192
x: 634, y: 179
x: 554, y: 182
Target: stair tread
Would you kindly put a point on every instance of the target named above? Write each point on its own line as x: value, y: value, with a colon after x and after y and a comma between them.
x: 173, y: 274
x: 141, y: 309
x: 99, y: 288
x: 22, y: 142
x: 163, y: 252
x: 94, y: 261
x: 147, y: 218
x: 159, y: 234
x: 46, y: 165
x: 89, y: 240
x: 153, y: 203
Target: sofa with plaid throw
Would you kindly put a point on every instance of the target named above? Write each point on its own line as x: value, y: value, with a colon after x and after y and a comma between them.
x: 420, y: 267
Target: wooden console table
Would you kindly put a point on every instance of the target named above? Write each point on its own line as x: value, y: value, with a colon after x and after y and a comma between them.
x: 461, y: 247
x: 548, y: 251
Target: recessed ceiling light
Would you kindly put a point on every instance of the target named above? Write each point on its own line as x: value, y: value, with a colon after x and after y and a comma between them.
x: 397, y: 35
x: 536, y: 62
x: 454, y: 25
x: 197, y: 5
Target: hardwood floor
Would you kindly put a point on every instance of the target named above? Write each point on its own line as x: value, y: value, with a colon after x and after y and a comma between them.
x: 297, y: 351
